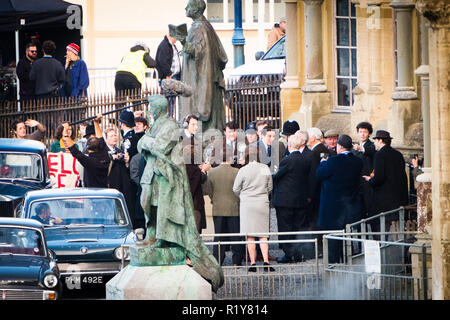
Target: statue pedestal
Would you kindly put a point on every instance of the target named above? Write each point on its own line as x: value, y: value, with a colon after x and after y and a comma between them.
x: 158, y: 283
x: 158, y: 274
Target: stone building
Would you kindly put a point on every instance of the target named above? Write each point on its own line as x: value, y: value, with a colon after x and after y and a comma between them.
x: 386, y: 62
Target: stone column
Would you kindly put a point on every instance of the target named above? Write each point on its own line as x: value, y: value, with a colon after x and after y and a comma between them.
x: 374, y: 27
x: 424, y: 203
x: 313, y: 45
x: 290, y: 89
x: 405, y: 109
x: 438, y: 15
x: 316, y: 101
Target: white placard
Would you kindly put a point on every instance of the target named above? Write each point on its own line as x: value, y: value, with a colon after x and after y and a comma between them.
x: 372, y: 257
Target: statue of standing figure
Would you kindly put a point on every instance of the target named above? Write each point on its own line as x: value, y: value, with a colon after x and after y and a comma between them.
x: 166, y: 197
x: 204, y: 59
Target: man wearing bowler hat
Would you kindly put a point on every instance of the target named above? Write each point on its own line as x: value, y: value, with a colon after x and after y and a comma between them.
x: 388, y: 180
x: 290, y: 127
x: 340, y: 200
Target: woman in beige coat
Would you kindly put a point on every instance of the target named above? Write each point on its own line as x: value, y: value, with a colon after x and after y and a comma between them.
x: 253, y: 184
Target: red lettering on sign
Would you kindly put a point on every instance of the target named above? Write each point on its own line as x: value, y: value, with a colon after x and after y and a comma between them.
x: 60, y: 184
x: 62, y: 165
x: 52, y: 164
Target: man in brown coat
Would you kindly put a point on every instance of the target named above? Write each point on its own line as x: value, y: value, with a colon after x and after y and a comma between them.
x: 225, y: 206
x: 278, y: 31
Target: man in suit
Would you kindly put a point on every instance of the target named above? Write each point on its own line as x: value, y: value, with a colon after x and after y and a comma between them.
x: 127, y: 124
x: 119, y: 175
x: 388, y: 180
x: 365, y: 150
x: 319, y: 150
x: 290, y: 195
x: 225, y: 206
x: 340, y: 201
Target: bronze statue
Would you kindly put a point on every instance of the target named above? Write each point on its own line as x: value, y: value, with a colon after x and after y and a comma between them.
x: 166, y: 197
x: 204, y: 58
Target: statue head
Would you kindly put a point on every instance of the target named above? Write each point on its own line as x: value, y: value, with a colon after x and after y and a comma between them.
x: 158, y: 106
x: 195, y: 8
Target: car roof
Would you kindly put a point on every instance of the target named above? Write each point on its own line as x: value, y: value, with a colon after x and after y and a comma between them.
x: 72, y: 192
x: 25, y: 145
x: 21, y: 222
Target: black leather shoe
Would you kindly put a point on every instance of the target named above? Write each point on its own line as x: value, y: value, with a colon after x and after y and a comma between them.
x: 268, y: 268
x: 252, y: 268
x: 284, y: 259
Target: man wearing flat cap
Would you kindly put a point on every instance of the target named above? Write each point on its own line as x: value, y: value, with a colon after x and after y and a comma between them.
x: 331, y: 137
x: 388, y: 180
x: 340, y: 200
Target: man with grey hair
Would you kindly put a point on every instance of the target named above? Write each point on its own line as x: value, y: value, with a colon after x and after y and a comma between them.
x: 318, y: 152
x: 290, y: 196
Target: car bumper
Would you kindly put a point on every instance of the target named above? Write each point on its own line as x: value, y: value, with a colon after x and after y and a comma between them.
x: 27, y: 294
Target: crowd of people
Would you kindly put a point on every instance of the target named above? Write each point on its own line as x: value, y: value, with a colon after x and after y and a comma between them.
x: 46, y: 77
x: 313, y: 180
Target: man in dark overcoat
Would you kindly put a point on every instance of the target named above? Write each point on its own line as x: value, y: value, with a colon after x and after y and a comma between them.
x: 388, y: 180
x: 290, y: 195
x: 365, y: 150
x: 340, y: 201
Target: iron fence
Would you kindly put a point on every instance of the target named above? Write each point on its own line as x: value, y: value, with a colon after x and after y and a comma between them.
x: 397, y: 279
x: 250, y: 99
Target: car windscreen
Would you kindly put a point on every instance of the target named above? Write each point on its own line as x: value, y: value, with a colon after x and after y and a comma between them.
x: 78, y: 211
x: 20, y: 166
x: 277, y: 51
x: 17, y: 240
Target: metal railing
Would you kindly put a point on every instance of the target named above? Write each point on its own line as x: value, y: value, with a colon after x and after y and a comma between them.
x: 317, y: 279
x: 397, y: 280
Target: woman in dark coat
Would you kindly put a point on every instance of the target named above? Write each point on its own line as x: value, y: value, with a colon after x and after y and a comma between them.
x: 196, y: 178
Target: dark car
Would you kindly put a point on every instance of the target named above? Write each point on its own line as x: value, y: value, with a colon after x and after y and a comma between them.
x: 86, y: 228
x: 253, y: 89
x: 28, y: 269
x: 23, y: 167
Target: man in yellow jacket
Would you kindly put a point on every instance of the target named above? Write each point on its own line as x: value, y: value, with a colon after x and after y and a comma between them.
x: 131, y: 72
x: 277, y: 32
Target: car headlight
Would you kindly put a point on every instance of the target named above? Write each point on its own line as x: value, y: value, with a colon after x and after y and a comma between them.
x: 50, y: 281
x: 122, y: 253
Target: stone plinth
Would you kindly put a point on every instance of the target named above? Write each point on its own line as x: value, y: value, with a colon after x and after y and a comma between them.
x: 314, y: 106
x: 402, y: 115
x: 158, y: 283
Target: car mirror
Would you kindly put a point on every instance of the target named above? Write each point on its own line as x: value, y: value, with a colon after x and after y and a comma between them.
x: 258, y: 55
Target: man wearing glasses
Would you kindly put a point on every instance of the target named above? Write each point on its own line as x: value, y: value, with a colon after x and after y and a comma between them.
x: 23, y: 69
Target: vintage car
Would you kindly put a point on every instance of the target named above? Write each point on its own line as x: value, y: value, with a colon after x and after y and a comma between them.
x: 28, y: 269
x: 86, y: 228
x: 23, y: 167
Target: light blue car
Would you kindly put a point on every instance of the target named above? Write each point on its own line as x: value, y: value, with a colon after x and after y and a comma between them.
x: 87, y: 228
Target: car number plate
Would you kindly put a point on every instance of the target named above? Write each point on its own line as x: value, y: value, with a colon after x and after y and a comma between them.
x: 78, y: 281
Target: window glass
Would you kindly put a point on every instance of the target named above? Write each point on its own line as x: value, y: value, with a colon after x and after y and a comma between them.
x: 278, y: 50
x: 75, y: 211
x: 346, y: 55
x: 20, y: 166
x: 214, y: 10
x: 16, y: 240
